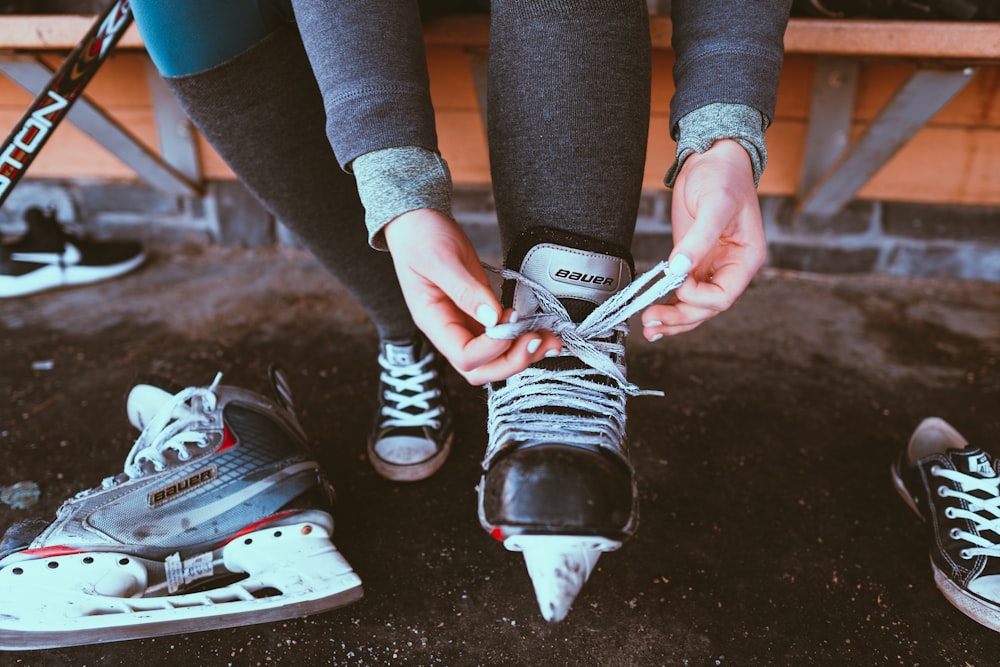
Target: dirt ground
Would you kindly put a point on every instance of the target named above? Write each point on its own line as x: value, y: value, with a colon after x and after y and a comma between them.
x: 770, y: 533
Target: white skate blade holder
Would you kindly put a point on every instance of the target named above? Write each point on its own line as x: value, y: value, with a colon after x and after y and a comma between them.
x: 86, y: 598
x: 559, y: 566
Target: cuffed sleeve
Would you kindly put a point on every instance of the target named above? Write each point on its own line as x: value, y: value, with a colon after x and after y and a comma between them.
x: 698, y: 130
x: 393, y: 181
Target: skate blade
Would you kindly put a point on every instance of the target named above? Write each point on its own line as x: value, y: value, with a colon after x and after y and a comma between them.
x: 559, y: 566
x: 89, y: 598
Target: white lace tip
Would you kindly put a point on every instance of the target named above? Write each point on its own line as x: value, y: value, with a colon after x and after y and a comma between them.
x: 678, y: 266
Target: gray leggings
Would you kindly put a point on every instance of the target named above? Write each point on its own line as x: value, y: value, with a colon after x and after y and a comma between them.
x: 568, y: 110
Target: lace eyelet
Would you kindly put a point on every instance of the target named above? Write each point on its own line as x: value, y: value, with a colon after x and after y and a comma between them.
x: 942, y: 491
x: 965, y: 555
x: 954, y: 533
x: 949, y: 512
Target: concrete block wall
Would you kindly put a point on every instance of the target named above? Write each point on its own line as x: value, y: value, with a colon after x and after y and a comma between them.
x: 895, y: 238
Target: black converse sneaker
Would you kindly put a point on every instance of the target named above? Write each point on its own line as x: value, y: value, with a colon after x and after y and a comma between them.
x: 955, y: 489
x: 46, y: 256
x: 413, y: 430
x: 557, y: 483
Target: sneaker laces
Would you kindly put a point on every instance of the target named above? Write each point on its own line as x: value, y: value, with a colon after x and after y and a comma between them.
x: 406, y: 398
x: 174, y: 427
x: 582, y: 405
x: 984, y: 513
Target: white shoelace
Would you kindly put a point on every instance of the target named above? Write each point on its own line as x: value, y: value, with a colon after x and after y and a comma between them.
x: 174, y: 427
x: 984, y: 513
x: 584, y: 406
x: 409, y: 391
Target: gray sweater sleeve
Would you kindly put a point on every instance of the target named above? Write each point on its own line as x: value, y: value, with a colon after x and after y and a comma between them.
x: 701, y: 128
x: 728, y: 62
x: 393, y: 181
x: 727, y: 51
x: 369, y: 61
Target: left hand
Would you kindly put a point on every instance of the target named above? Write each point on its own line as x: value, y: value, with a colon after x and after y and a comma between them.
x: 717, y: 224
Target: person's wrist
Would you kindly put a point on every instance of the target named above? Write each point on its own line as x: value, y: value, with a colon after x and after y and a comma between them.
x: 729, y: 150
x: 399, y: 227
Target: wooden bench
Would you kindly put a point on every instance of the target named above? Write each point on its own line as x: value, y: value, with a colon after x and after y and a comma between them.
x: 31, y: 49
x: 854, y: 94
x: 838, y: 158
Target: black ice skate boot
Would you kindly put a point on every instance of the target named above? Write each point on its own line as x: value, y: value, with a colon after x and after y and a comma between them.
x: 557, y: 481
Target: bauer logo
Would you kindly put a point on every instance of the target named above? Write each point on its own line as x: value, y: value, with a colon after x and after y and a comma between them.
x: 174, y: 490
x: 580, y: 278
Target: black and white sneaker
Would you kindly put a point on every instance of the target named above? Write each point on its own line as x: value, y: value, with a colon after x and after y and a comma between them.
x: 46, y: 257
x: 413, y: 430
x: 955, y: 489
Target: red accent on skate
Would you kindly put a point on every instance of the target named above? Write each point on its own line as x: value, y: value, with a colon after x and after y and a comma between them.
x: 257, y: 525
x: 497, y: 534
x: 50, y: 552
x: 228, y: 439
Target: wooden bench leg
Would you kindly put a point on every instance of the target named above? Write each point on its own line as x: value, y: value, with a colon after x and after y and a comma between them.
x: 33, y: 75
x: 925, y: 93
x: 178, y: 138
x: 835, y: 83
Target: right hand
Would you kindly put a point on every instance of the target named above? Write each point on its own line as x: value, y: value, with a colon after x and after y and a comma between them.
x: 451, y: 301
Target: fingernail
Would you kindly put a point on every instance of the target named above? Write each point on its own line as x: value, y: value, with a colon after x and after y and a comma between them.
x: 514, y: 317
x: 487, y: 316
x: 654, y: 323
x: 534, y: 345
x: 553, y: 353
x: 656, y: 337
x: 679, y: 265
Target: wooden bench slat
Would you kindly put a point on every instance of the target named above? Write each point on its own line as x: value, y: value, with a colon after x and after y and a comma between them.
x: 911, y: 39
x: 57, y: 32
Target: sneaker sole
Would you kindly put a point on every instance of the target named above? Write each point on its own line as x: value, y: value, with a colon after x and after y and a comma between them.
x: 412, y: 472
x: 55, y: 277
x: 978, y: 609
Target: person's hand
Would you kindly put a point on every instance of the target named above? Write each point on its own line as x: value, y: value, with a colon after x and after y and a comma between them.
x: 451, y: 300
x: 717, y: 224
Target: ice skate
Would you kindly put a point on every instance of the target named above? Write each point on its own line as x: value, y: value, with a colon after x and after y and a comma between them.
x: 557, y: 483
x: 219, y: 518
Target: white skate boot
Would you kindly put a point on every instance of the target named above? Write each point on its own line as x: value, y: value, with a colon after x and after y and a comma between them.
x: 557, y: 482
x: 218, y: 519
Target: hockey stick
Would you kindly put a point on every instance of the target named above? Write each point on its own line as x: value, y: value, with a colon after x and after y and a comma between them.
x: 34, y: 128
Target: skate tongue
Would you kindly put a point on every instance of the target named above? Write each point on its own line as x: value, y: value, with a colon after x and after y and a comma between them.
x: 144, y: 402
x: 580, y: 279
